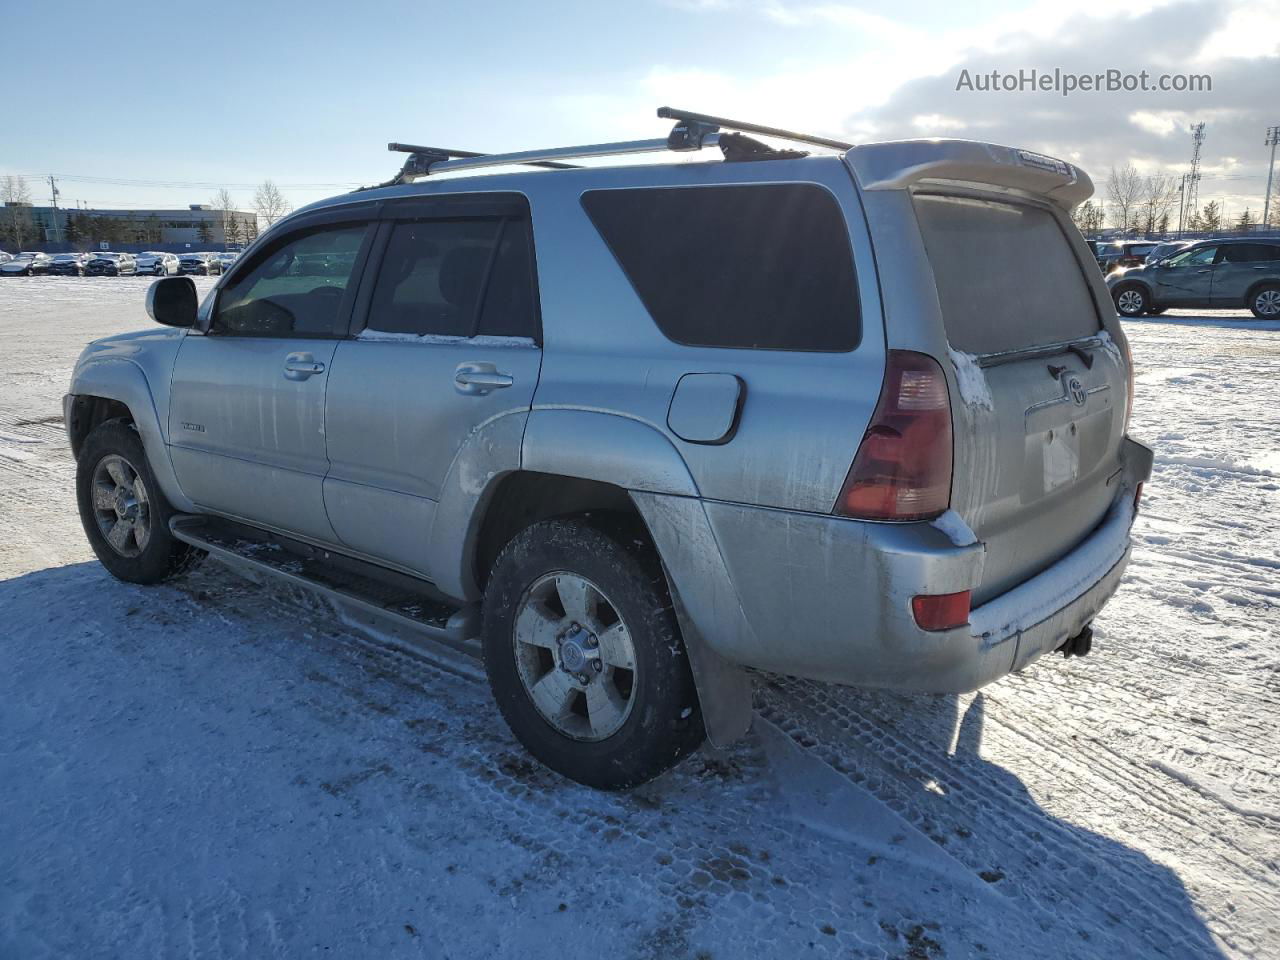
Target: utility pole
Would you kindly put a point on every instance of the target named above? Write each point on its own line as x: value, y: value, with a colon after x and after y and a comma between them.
x: 1182, y: 202
x: 53, y: 186
x: 1273, y: 137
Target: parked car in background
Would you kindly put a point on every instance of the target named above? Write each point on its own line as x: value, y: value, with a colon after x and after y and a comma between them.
x: 1115, y: 255
x: 157, y: 263
x: 726, y: 451
x: 204, y: 264
x: 5, y: 257
x: 68, y: 264
x: 225, y: 260
x: 27, y: 264
x: 1167, y: 249
x: 111, y: 264
x: 1211, y: 274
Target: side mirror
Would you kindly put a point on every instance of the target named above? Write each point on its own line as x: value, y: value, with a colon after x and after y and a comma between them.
x: 172, y: 301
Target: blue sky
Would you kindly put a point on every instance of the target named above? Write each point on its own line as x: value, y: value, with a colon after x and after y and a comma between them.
x: 309, y: 93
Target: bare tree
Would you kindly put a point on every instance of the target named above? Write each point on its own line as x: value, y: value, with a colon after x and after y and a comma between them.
x: 270, y: 202
x: 1124, y: 192
x: 1159, y: 195
x: 16, y: 224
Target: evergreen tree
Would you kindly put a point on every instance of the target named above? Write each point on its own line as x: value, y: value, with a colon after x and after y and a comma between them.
x: 71, y: 229
x: 203, y: 232
x: 1211, y: 217
x: 1246, y: 222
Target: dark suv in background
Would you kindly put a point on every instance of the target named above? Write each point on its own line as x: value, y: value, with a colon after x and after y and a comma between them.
x: 1212, y: 274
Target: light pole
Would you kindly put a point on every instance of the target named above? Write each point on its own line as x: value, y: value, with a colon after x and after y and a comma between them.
x: 1273, y: 137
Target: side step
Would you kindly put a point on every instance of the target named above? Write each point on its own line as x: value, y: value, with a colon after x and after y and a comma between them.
x: 389, y: 605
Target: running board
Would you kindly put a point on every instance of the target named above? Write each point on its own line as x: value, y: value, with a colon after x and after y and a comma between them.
x: 388, y: 605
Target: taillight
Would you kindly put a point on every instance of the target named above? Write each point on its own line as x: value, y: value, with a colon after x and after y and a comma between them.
x: 1137, y: 497
x: 941, y: 611
x: 902, y: 470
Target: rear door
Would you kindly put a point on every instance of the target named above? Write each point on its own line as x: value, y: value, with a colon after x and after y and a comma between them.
x: 446, y: 343
x: 1039, y: 419
x: 247, y: 418
x: 1239, y: 266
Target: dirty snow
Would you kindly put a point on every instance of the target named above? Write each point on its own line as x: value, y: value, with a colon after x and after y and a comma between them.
x: 214, y: 768
x: 971, y: 380
x: 953, y: 525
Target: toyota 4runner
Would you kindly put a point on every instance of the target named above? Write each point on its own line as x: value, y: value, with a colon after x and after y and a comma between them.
x: 627, y: 431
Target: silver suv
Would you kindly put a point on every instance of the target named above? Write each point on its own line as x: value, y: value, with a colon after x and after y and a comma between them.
x: 627, y: 431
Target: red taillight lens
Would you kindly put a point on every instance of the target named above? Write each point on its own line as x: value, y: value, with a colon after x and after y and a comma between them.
x: 902, y: 470
x: 1137, y: 496
x: 942, y: 611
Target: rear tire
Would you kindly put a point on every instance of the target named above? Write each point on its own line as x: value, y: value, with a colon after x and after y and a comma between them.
x: 584, y: 654
x: 1265, y: 302
x: 123, y: 512
x: 1131, y: 300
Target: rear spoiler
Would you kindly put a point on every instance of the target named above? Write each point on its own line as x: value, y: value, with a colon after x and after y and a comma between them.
x: 900, y: 164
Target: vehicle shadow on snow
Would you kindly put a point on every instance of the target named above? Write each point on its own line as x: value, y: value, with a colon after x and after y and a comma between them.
x: 921, y: 757
x: 905, y: 776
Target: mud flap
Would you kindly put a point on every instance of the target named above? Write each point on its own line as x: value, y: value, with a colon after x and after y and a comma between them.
x: 691, y: 557
x: 724, y: 687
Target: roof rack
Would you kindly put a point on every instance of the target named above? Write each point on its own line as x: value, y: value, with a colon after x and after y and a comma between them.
x: 692, y: 131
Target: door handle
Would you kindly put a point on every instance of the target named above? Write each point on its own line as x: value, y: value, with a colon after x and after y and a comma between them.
x: 1204, y: 271
x: 300, y: 366
x: 478, y: 378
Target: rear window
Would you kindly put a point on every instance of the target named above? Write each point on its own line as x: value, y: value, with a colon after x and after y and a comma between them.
x: 765, y: 266
x: 1005, y: 273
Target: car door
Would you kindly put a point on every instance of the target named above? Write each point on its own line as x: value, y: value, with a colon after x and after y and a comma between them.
x: 446, y: 349
x: 1239, y: 266
x: 1185, y: 280
x: 247, y: 417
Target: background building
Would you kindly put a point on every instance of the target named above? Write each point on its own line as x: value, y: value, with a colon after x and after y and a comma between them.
x: 199, y: 226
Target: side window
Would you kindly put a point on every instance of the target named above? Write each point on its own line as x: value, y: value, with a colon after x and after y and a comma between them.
x: 1249, y: 253
x: 1197, y: 257
x: 456, y: 278
x: 764, y: 266
x: 294, y: 288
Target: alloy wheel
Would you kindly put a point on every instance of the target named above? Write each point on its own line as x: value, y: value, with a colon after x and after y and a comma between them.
x: 1268, y: 303
x: 121, y: 506
x: 1130, y: 302
x: 575, y: 657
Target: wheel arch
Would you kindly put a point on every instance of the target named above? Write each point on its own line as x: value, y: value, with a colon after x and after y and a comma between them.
x: 1258, y: 285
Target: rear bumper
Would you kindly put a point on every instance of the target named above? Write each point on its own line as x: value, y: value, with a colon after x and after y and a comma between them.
x: 830, y: 598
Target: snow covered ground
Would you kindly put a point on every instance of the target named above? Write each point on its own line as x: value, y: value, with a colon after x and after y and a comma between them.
x: 219, y: 769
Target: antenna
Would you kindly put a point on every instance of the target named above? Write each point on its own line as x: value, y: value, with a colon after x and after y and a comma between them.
x: 1193, y: 175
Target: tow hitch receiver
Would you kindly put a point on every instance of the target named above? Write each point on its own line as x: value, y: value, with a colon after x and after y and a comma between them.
x: 1079, y: 645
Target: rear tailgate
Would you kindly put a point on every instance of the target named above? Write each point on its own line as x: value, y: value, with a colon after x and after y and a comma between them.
x: 1039, y: 418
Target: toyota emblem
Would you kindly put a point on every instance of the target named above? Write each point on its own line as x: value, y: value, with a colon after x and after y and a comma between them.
x: 1076, y: 391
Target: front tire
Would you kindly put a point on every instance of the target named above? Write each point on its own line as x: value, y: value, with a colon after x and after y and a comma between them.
x: 1265, y: 302
x: 1155, y: 311
x: 1131, y: 300
x: 584, y: 654
x: 123, y: 512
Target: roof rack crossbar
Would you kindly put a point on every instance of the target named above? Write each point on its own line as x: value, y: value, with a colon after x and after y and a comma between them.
x: 551, y: 154
x: 446, y: 153
x: 671, y: 113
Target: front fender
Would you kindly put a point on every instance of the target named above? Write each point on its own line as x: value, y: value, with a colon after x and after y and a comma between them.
x: 124, y: 380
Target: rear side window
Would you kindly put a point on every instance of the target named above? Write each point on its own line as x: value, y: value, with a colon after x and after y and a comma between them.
x: 1249, y: 253
x: 764, y: 266
x: 456, y: 278
x: 1006, y: 276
